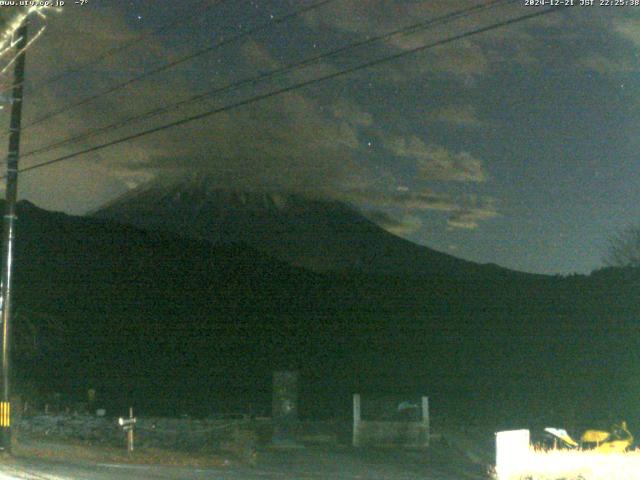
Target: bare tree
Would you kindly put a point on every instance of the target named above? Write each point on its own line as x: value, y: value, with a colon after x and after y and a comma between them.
x: 624, y: 248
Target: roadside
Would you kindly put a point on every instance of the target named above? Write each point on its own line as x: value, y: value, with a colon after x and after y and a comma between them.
x: 78, y: 447
x: 77, y: 452
x: 46, y: 459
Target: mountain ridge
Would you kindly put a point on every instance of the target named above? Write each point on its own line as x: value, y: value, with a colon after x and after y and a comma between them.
x: 314, y: 233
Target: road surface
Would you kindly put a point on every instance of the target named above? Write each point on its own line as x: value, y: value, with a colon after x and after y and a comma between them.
x: 312, y: 464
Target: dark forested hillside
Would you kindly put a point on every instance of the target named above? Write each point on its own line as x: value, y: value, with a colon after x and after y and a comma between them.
x: 173, y: 324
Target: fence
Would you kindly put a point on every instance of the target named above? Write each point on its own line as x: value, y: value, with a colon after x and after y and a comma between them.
x: 390, y: 421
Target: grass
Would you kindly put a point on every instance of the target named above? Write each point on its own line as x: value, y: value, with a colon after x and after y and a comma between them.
x: 58, y: 450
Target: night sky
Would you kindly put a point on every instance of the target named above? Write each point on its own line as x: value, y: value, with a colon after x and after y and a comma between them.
x: 517, y: 146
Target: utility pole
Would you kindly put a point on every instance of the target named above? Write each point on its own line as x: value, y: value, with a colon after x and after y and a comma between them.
x: 9, y: 234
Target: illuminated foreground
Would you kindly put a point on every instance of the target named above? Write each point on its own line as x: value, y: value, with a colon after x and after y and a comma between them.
x: 516, y: 459
x: 575, y: 465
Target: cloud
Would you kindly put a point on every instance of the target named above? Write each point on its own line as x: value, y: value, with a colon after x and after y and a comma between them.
x: 457, y: 115
x: 556, y: 39
x: 351, y: 113
x: 371, y: 18
x: 72, y: 40
x: 259, y: 56
x: 437, y: 163
x: 469, y: 218
x: 403, y: 226
x: 290, y: 141
x: 285, y: 143
x: 401, y: 199
x: 605, y: 65
x: 618, y: 35
x: 465, y: 59
x: 628, y: 28
x: 612, y: 58
x: 462, y: 211
x: 301, y: 142
x: 353, y: 16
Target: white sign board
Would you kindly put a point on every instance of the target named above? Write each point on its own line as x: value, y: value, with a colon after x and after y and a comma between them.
x: 512, y: 451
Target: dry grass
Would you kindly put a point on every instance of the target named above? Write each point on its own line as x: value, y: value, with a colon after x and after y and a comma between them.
x: 69, y: 451
x: 577, y: 465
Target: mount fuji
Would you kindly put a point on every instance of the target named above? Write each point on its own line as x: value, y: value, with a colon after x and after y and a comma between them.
x: 313, y: 233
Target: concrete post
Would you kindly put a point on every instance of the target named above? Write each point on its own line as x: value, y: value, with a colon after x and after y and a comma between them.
x: 285, y: 408
x: 356, y: 420
x: 425, y: 419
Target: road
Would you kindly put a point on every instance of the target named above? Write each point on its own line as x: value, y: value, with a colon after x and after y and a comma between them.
x: 308, y: 464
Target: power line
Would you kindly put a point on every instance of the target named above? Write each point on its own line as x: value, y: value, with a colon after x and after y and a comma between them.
x: 193, y: 12
x: 296, y: 86
x: 293, y: 87
x: 177, y: 62
x: 410, y: 29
